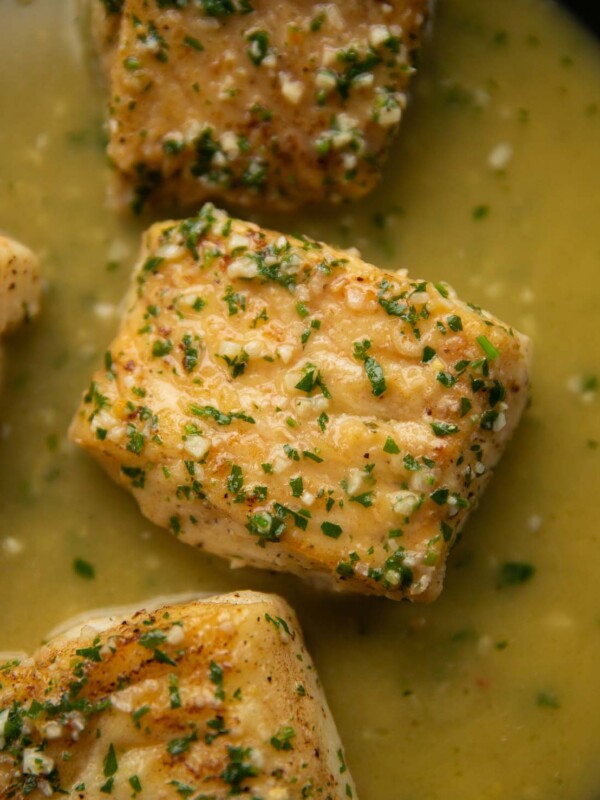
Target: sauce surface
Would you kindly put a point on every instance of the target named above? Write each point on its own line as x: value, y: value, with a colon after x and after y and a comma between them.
x: 493, y: 691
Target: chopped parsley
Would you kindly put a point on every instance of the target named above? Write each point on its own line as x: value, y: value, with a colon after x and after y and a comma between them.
x: 546, y: 699
x: 444, y: 428
x: 194, y: 43
x: 182, y: 744
x: 266, y: 526
x: 220, y: 417
x: 311, y: 377
x: 259, y: 46
x: 428, y: 354
x: 110, y: 765
x: 283, y: 738
x: 216, y: 678
x: 513, y: 573
x: 481, y: 211
x: 238, y: 769
x: 235, y: 301
x: 174, y: 696
x: 390, y: 446
x: 331, y: 529
x: 161, y: 348
x: 84, y: 569
x: 487, y: 347
x: 372, y: 367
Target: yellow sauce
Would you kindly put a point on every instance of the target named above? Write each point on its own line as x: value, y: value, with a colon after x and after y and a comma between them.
x: 490, y: 692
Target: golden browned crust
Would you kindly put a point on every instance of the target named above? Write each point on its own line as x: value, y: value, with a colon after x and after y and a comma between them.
x: 211, y: 699
x: 285, y: 404
x: 269, y: 104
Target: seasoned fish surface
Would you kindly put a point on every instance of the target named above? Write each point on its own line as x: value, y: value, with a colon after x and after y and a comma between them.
x: 258, y: 103
x: 287, y: 405
x: 19, y: 284
x: 210, y: 699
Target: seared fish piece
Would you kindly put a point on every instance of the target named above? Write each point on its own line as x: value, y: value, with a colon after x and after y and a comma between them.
x: 255, y: 102
x: 210, y: 699
x: 19, y: 284
x: 287, y: 405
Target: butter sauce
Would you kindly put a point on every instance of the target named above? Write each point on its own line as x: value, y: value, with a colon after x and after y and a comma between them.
x: 494, y: 690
